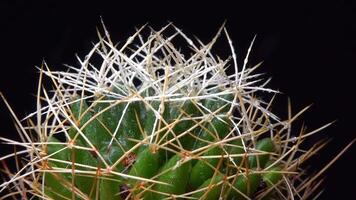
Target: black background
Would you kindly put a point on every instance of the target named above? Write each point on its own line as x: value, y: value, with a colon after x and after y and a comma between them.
x: 308, y: 48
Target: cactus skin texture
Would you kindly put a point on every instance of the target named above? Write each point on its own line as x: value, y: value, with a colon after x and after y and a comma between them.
x: 150, y: 123
x: 182, y: 175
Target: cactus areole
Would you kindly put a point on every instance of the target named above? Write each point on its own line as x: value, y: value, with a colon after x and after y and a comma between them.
x: 142, y: 120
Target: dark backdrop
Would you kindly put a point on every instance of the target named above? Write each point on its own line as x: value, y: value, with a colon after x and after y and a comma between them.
x: 308, y: 48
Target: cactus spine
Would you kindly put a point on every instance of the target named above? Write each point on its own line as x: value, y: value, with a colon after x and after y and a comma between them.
x: 150, y: 123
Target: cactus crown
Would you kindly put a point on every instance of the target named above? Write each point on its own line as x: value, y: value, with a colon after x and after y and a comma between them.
x: 142, y: 120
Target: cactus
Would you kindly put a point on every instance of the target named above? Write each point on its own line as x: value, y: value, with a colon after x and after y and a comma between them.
x: 148, y: 122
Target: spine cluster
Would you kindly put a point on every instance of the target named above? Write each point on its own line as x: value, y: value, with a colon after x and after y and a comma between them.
x: 143, y: 120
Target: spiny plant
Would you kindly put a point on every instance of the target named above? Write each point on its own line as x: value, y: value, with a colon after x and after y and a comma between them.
x: 146, y: 121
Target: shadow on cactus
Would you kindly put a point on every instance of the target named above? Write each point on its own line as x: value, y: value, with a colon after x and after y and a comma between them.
x: 144, y: 121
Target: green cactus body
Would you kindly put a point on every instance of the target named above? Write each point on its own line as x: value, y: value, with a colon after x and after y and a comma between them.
x: 55, y: 187
x: 110, y: 189
x: 213, y: 189
x: 273, y: 176
x: 175, y: 175
x: 245, y: 185
x: 205, y: 168
x: 187, y: 110
x: 147, y: 162
x: 150, y: 117
x: 55, y: 182
x: 216, y: 127
x: 152, y: 124
x: 85, y: 182
x: 237, y: 149
x: 119, y: 124
x: 146, y: 165
x: 265, y: 145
